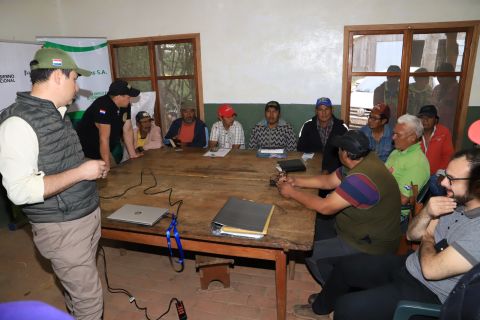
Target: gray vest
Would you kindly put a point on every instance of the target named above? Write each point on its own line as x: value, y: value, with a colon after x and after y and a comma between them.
x: 59, y: 150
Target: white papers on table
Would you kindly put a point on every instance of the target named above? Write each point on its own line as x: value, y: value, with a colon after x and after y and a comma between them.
x: 273, y: 151
x: 219, y: 153
x: 307, y: 156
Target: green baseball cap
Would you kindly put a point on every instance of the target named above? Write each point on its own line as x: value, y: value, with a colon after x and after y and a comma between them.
x: 53, y: 58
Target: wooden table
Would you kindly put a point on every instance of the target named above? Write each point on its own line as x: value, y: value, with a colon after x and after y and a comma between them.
x: 204, y: 184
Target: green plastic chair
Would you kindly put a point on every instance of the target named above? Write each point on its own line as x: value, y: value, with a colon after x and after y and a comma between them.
x: 406, y: 309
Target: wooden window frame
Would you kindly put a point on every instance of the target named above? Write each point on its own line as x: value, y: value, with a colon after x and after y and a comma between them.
x: 471, y: 28
x: 151, y: 42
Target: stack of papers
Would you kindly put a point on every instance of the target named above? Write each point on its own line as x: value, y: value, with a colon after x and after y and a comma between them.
x: 271, y: 153
x: 216, y: 153
x: 243, y: 218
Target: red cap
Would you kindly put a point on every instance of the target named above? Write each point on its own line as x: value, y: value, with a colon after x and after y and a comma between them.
x: 474, y: 132
x: 226, y: 110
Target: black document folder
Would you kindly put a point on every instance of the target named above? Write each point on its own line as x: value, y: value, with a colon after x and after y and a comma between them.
x: 292, y: 165
x: 243, y: 218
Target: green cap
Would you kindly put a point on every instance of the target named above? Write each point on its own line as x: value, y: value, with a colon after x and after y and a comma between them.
x: 53, y: 58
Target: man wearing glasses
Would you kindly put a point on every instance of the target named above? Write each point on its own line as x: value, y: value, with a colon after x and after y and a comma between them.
x: 379, y: 132
x: 369, y: 287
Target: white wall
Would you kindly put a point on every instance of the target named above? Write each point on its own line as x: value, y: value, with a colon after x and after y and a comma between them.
x: 252, y: 50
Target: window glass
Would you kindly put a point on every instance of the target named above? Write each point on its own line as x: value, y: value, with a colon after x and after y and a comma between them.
x: 437, y: 49
x: 174, y: 59
x: 369, y: 91
x: 375, y: 53
x: 172, y: 94
x: 132, y: 61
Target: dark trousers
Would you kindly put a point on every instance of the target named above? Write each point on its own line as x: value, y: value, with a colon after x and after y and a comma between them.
x: 369, y: 287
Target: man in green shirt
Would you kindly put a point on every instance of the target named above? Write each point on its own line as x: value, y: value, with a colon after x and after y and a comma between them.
x: 407, y: 162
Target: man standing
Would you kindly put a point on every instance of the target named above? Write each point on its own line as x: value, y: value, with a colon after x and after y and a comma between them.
x: 379, y: 132
x: 445, y: 95
x: 146, y: 135
x: 317, y: 133
x: 45, y: 171
x: 369, y: 287
x: 366, y: 202
x: 273, y: 132
x: 387, y: 92
x: 228, y: 132
x: 105, y: 122
x: 188, y: 130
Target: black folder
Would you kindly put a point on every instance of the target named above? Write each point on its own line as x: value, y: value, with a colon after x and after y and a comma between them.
x: 244, y: 217
x: 292, y: 165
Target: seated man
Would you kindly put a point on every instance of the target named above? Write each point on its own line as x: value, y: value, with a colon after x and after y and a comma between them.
x: 188, y: 130
x: 407, y: 162
x: 448, y: 229
x: 379, y: 132
x: 273, y: 132
x: 106, y: 122
x: 366, y: 202
x: 436, y: 144
x: 146, y: 135
x: 228, y: 132
x: 317, y: 133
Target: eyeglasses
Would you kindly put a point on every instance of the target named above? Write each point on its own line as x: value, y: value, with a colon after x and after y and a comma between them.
x: 450, y: 178
x: 374, y: 118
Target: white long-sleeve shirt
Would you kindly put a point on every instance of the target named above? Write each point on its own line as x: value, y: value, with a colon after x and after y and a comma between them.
x: 19, y: 161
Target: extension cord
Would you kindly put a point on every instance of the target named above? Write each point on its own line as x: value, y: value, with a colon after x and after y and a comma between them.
x: 182, y: 314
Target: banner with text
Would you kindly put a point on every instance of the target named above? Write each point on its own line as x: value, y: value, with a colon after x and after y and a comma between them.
x: 15, y: 69
x: 90, y: 54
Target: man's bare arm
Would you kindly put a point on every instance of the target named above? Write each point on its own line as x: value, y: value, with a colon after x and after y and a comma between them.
x: 436, y: 207
x: 323, y: 181
x: 444, y: 264
x: 104, y: 138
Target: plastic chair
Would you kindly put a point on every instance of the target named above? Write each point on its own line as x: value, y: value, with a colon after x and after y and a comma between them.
x: 461, y: 304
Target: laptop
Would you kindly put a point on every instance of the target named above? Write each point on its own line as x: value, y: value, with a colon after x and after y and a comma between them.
x: 143, y: 215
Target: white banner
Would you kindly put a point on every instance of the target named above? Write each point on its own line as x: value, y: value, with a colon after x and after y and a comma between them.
x: 90, y: 54
x: 15, y: 70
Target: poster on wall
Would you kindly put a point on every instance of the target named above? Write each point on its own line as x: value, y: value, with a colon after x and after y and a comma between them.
x: 15, y: 69
x: 90, y: 54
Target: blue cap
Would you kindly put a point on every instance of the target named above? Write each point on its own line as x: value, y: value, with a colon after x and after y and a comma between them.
x: 323, y: 102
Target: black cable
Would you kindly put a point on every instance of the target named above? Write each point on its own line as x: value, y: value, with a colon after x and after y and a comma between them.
x: 131, y: 298
x: 145, y: 191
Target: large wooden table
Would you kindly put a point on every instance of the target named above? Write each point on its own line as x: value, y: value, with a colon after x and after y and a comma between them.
x: 204, y: 184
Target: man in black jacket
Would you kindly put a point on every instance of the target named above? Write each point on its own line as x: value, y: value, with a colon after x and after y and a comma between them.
x: 317, y: 133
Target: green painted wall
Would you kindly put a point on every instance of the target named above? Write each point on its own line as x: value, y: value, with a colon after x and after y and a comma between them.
x: 295, y: 114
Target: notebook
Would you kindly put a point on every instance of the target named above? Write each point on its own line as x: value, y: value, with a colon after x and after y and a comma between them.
x: 292, y: 165
x: 241, y: 217
x: 138, y: 214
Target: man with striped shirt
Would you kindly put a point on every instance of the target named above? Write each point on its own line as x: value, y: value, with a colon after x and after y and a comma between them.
x: 366, y: 202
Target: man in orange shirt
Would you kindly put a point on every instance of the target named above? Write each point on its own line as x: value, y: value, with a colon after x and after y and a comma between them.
x: 436, y: 140
x: 437, y: 145
x: 188, y: 130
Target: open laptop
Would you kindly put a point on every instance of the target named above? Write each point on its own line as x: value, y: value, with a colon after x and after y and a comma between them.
x: 138, y: 214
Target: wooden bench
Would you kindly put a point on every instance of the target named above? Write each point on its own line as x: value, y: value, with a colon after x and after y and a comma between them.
x: 213, y: 268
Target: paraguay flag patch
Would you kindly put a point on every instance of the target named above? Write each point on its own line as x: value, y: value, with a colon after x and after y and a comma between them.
x: 57, y: 62
x: 102, y: 111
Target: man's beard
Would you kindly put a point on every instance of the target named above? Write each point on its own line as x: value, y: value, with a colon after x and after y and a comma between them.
x: 189, y: 120
x: 461, y: 200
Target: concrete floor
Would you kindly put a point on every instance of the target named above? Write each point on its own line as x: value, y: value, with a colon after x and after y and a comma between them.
x: 145, y: 272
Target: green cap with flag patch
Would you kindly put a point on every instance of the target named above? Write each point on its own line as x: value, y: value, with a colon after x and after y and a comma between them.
x: 53, y: 58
